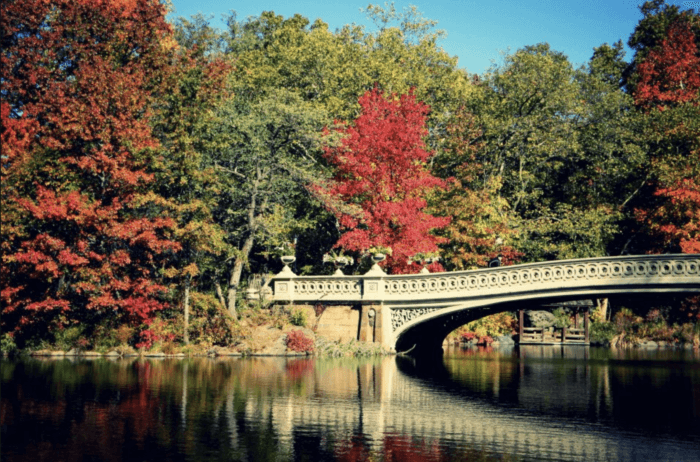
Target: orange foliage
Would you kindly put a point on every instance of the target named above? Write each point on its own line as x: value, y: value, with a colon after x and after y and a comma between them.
x: 670, y: 74
x: 78, y: 83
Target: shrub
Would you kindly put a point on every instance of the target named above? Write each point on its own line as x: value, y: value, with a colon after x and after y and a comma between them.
x: 209, y: 323
x: 485, y: 340
x: 562, y: 318
x: 157, y: 332
x: 602, y: 332
x: 299, y: 342
x: 298, y: 317
x: 335, y: 349
x: 468, y: 336
x: 70, y: 337
x: 7, y: 344
x: 688, y: 333
x: 124, y: 334
x: 626, y: 321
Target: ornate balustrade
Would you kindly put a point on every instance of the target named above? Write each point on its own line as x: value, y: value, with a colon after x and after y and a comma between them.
x: 671, y: 272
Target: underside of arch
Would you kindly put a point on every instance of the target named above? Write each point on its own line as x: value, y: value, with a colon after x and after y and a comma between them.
x: 426, y: 337
x: 425, y: 334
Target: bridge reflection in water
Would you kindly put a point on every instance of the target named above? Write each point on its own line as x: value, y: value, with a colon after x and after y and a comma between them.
x: 437, y: 405
x: 536, y: 403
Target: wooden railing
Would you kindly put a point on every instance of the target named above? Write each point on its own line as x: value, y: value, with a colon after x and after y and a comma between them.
x: 553, y: 335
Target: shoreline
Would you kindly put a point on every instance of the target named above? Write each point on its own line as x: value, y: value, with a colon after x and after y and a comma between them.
x: 224, y: 353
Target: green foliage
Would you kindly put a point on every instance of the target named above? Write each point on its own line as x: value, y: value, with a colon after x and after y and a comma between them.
x: 562, y: 318
x: 198, y: 35
x: 105, y: 336
x: 332, y: 70
x: 558, y: 146
x: 569, y: 148
x: 297, y: 317
x: 329, y: 349
x: 481, y: 220
x: 565, y: 232
x: 210, y: 324
x: 602, y: 332
x: 7, y: 344
x: 493, y: 325
x: 70, y: 337
x: 261, y: 152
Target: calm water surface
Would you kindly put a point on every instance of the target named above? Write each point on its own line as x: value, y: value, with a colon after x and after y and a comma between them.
x: 533, y: 403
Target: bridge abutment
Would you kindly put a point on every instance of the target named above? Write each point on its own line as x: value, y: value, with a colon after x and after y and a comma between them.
x: 339, y: 323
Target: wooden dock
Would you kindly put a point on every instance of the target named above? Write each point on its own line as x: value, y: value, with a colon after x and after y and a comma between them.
x: 556, y: 335
x: 553, y: 336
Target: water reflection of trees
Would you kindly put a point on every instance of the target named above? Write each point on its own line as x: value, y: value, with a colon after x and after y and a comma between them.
x: 277, y: 408
x: 202, y: 408
x: 649, y: 390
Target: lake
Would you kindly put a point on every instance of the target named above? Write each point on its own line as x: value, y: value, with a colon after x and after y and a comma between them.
x: 556, y: 403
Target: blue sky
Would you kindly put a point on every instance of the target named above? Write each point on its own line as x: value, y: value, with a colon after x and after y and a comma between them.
x: 477, y: 31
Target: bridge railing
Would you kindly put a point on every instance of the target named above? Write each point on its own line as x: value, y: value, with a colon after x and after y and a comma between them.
x: 676, y: 272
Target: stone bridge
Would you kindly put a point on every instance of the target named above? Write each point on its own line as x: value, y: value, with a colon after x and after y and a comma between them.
x: 404, y: 311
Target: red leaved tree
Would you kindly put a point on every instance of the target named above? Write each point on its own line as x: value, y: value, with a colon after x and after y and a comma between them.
x: 670, y: 74
x: 669, y: 89
x: 381, y: 171
x: 82, y: 236
x: 673, y: 217
x: 669, y: 92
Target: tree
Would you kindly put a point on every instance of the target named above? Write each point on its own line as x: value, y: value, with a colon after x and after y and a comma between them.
x: 332, y: 70
x: 380, y: 167
x: 668, y: 93
x: 607, y: 179
x: 534, y: 112
x: 480, y: 220
x: 672, y: 212
x: 652, y: 29
x: 670, y: 74
x: 324, y: 72
x: 261, y: 152
x: 665, y: 82
x: 86, y: 239
x: 197, y: 85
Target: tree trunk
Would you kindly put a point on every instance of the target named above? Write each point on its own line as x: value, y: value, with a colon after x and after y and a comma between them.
x: 220, y: 294
x: 602, y: 309
x: 187, y: 310
x: 236, y: 272
x: 242, y: 258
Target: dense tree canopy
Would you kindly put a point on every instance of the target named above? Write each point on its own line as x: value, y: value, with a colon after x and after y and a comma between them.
x: 145, y: 165
x: 85, y: 238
